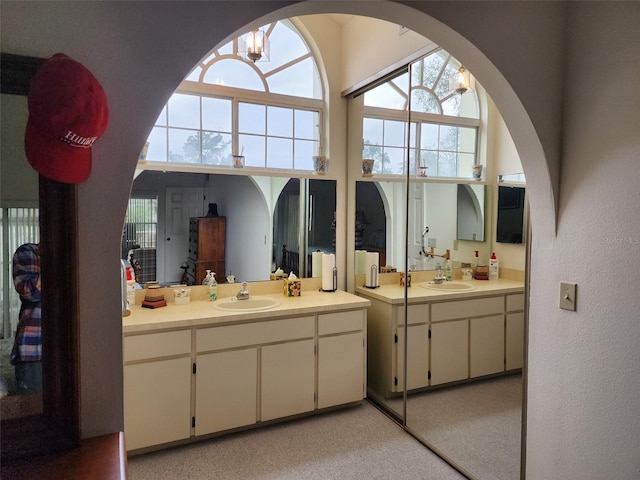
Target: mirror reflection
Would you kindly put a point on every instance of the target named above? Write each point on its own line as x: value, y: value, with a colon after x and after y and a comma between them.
x: 20, y: 339
x: 440, y: 214
x: 470, y: 212
x: 511, y: 214
x: 270, y: 222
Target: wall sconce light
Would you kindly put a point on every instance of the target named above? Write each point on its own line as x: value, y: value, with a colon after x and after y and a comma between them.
x: 255, y: 46
x: 461, y: 82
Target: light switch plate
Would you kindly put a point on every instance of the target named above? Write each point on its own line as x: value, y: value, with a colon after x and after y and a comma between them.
x: 568, y: 296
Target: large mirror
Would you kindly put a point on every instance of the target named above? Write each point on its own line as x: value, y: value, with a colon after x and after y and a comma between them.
x: 414, y: 221
x: 270, y: 222
x: 452, y: 418
x: 470, y: 212
x: 442, y: 216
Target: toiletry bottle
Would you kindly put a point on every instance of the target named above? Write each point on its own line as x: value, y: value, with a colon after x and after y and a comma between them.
x: 213, y: 287
x: 493, y: 267
x: 448, y: 271
x: 207, y: 278
x: 131, y: 288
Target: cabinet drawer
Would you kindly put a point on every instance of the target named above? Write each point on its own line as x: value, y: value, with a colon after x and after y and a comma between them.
x: 467, y: 308
x: 417, y: 314
x: 231, y: 336
x: 515, y: 302
x: 330, y: 323
x: 154, y: 345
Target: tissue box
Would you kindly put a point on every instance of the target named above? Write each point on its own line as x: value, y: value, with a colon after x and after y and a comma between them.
x: 292, y: 288
x: 277, y: 276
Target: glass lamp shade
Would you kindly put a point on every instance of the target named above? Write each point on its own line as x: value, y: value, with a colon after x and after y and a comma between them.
x: 461, y: 82
x: 254, y: 46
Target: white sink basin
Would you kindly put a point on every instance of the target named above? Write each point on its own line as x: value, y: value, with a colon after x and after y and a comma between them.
x: 448, y: 286
x: 251, y: 304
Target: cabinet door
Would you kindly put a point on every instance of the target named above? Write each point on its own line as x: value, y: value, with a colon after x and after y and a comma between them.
x: 417, y: 357
x: 226, y: 390
x: 515, y: 340
x: 449, y: 351
x: 288, y: 379
x: 486, y: 345
x: 157, y: 402
x: 340, y: 369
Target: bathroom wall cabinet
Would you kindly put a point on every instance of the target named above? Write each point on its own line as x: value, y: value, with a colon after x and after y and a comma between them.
x: 448, y: 341
x: 203, y: 380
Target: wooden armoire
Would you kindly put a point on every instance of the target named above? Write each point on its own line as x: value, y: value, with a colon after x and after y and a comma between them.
x: 206, y: 248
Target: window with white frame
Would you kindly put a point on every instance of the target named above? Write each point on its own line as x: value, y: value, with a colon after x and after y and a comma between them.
x: 444, y: 124
x: 270, y: 112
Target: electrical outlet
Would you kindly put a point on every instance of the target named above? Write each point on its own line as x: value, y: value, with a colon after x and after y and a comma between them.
x: 568, y: 296
x: 431, y: 242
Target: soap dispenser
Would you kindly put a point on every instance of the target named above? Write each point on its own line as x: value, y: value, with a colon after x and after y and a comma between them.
x: 493, y: 267
x: 213, y: 287
x: 207, y: 278
x: 448, y: 271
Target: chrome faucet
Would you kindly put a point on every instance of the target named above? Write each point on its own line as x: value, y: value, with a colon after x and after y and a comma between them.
x: 439, y: 276
x: 243, y: 294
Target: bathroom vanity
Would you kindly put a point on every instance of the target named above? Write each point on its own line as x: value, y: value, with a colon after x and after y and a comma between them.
x: 196, y: 370
x: 452, y: 335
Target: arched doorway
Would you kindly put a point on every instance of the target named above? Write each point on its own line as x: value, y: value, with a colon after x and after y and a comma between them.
x: 534, y: 164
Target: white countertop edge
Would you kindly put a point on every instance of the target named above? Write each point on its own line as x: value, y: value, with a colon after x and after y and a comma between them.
x: 394, y: 294
x: 203, y: 313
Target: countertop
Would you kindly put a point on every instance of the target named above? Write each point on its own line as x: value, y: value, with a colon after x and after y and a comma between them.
x: 394, y: 293
x: 203, y: 312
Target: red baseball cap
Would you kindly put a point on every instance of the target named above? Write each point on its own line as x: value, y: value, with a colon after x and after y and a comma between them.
x: 67, y: 113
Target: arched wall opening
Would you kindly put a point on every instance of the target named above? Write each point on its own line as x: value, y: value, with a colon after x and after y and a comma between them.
x: 140, y: 54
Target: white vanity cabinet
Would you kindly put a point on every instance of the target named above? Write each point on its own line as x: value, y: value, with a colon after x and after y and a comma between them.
x: 227, y: 364
x: 210, y: 378
x: 450, y: 338
x: 472, y: 337
x: 418, y: 347
x: 341, y: 358
x: 288, y: 383
x: 486, y: 345
x: 386, y: 346
x: 449, y: 351
x: 157, y: 388
x: 235, y: 373
x: 514, y: 331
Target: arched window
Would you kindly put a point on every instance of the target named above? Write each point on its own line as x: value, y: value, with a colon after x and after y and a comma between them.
x: 444, y: 123
x: 268, y: 111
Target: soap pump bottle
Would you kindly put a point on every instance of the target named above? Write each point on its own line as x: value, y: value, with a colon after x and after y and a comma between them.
x: 207, y: 278
x: 493, y: 267
x: 448, y: 271
x: 213, y: 287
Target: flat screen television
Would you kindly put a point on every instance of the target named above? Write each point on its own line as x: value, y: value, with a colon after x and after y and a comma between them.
x: 511, y: 205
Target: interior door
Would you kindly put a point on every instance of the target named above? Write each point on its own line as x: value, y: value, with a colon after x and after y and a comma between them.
x: 181, y: 204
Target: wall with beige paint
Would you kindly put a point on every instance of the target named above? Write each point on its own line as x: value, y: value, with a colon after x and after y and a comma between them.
x: 544, y: 69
